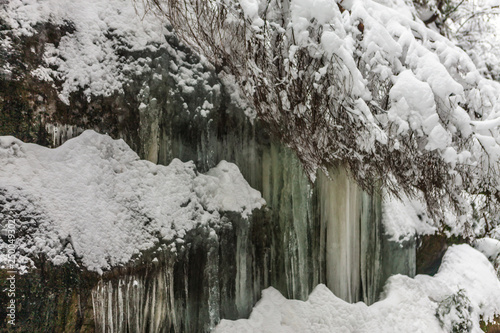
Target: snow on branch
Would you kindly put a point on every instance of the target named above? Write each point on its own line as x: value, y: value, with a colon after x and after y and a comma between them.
x: 360, y: 84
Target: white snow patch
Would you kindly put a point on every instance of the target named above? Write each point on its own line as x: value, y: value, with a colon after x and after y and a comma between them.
x: 418, y: 99
x: 405, y: 218
x: 250, y: 8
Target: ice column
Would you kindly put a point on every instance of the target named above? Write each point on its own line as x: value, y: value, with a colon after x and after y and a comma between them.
x: 340, y: 202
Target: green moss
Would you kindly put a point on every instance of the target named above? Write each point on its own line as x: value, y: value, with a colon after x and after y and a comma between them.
x: 492, y: 326
x: 51, y: 299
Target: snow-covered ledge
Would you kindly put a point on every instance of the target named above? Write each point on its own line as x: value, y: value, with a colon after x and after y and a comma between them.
x: 94, y: 202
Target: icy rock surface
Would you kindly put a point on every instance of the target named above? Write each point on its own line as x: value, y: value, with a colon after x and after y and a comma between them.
x: 290, y: 249
x: 300, y: 241
x: 93, y: 201
x: 181, y: 114
x: 408, y: 305
x: 361, y: 250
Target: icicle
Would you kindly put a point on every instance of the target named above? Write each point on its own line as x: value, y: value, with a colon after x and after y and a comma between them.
x: 62, y: 133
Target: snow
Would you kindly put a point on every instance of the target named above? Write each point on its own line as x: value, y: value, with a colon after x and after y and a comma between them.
x: 104, y: 45
x: 86, y: 57
x: 423, y: 67
x: 250, y: 8
x: 412, y: 103
x: 224, y: 188
x: 439, y: 138
x: 407, y: 305
x: 359, y: 52
x: 93, y: 200
x: 417, y: 94
x: 489, y: 247
x: 404, y: 218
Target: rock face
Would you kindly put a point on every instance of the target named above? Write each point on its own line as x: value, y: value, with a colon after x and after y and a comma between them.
x: 176, y: 107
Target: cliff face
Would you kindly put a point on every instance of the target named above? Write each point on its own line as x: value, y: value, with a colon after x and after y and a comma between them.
x: 170, y: 104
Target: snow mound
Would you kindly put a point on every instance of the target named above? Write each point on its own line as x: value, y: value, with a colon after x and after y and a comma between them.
x: 489, y: 247
x: 421, y: 304
x: 93, y: 200
x: 224, y: 188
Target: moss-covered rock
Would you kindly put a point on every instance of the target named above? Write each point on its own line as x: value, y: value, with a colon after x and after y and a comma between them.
x: 50, y: 299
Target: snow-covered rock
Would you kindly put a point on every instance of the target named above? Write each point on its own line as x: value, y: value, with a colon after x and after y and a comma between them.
x: 488, y: 246
x: 405, y: 218
x: 92, y: 200
x: 87, y: 57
